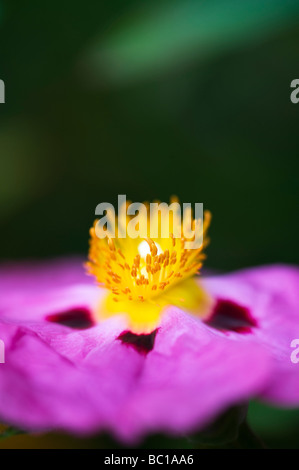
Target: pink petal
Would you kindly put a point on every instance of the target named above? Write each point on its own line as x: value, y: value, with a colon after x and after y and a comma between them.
x: 77, y: 384
x: 190, y: 376
x: 87, y: 380
x: 272, y: 296
x: 32, y: 291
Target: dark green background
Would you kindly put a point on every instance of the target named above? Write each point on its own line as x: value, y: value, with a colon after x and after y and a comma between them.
x: 150, y: 99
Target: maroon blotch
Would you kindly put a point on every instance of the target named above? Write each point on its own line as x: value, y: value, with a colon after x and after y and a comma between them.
x: 142, y: 343
x: 78, y: 318
x: 230, y: 316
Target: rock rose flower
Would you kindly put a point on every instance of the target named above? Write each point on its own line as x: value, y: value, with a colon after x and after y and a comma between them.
x: 150, y: 347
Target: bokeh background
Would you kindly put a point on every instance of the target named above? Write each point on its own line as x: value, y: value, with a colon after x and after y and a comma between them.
x: 150, y: 99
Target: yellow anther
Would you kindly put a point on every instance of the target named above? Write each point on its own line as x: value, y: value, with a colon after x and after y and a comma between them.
x: 173, y: 239
x: 137, y: 261
x: 121, y: 254
x: 134, y: 272
x: 111, y: 244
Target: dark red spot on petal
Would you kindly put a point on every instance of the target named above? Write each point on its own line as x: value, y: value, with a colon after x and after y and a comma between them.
x: 230, y: 316
x: 142, y: 343
x: 78, y: 318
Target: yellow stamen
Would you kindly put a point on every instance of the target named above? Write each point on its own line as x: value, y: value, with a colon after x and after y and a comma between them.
x: 138, y: 275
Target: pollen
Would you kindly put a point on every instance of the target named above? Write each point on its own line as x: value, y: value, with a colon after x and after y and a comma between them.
x: 145, y: 271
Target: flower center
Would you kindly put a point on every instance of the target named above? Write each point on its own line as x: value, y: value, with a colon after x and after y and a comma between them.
x: 141, y: 271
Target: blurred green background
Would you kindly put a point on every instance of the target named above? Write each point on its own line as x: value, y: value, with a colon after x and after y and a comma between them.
x: 150, y: 99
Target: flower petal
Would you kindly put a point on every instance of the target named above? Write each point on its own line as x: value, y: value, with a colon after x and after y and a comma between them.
x: 272, y: 296
x: 31, y: 292
x: 190, y: 376
x: 73, y: 382
x: 84, y: 380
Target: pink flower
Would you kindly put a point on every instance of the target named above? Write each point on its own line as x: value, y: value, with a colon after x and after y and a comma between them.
x: 66, y: 370
x: 148, y: 349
